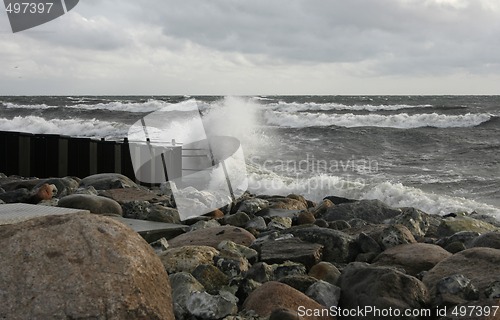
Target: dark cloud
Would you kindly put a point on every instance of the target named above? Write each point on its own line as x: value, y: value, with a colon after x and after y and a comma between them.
x: 403, y: 33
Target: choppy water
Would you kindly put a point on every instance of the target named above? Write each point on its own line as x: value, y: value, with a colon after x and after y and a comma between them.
x: 437, y: 153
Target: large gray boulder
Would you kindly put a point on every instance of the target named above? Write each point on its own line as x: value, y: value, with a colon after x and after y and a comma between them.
x: 374, y: 211
x: 80, y: 266
x: 95, y: 204
x: 381, y: 288
x: 106, y: 181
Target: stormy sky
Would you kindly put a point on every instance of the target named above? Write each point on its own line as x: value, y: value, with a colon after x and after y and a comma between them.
x: 243, y: 47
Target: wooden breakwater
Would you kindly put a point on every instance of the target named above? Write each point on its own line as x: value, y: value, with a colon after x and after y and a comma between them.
x: 50, y: 155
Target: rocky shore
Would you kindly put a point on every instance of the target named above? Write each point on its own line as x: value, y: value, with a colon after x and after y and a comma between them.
x: 263, y: 257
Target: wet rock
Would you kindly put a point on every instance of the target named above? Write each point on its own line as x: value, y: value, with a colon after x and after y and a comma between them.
x: 480, y: 265
x: 206, y: 306
x: 124, y: 195
x: 455, y: 289
x: 450, y: 226
x: 106, y: 181
x: 322, y: 207
x: 274, y: 295
x: 464, y: 237
x: 298, y: 197
x: 252, y: 206
x: 65, y: 186
x: 286, y: 204
x: 213, y: 236
x: 374, y: 211
x: 413, y: 258
x: 339, y: 225
x: 325, y: 271
x: 95, y: 204
x: 294, y: 250
x: 455, y: 247
x: 280, y: 223
x: 239, y: 219
x: 262, y: 272
x: 415, y: 220
x: 257, y: 223
x: 380, y: 287
x: 210, y: 277
x: 322, y: 223
x: 339, y: 200
x: 250, y: 254
x: 204, y: 224
x: 187, y: 258
x: 493, y: 290
x: 489, y: 240
x: 324, y: 293
x: 143, y: 210
x: 337, y: 246
x: 43, y: 192
x: 306, y: 217
x: 367, y: 244
x: 232, y: 263
x: 395, y: 235
x: 159, y: 213
x: 299, y: 282
x: 183, y: 286
x: 80, y: 266
x: 287, y: 269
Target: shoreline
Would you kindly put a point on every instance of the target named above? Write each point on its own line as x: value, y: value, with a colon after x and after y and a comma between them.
x: 330, y: 254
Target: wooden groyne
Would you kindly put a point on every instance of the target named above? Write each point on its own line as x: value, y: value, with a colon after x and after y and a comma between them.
x: 50, y: 155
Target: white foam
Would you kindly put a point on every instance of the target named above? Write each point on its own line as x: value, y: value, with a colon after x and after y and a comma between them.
x: 312, y: 106
x: 70, y: 127
x: 10, y: 105
x: 402, y: 120
x: 315, y: 188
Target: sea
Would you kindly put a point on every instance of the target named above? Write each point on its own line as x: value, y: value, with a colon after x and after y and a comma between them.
x: 440, y: 154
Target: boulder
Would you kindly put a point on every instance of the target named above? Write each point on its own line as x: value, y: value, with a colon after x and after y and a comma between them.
x: 414, y: 257
x: 480, y: 265
x: 106, y: 181
x: 95, y: 204
x: 300, y: 282
x: 183, y: 286
x: 144, y: 210
x: 306, y: 217
x: 213, y: 236
x: 239, y: 219
x: 286, y: 204
x: 325, y: 271
x: 280, y: 223
x: 80, y: 266
x: 65, y: 186
x: 374, y: 211
x: 274, y: 295
x: 187, y: 258
x: 254, y: 205
x: 415, y: 220
x: 324, y: 293
x: 293, y: 249
x: 395, y: 235
x: 452, y: 225
x: 337, y: 246
x: 381, y: 288
x: 454, y: 290
x: 210, y: 277
x: 206, y: 306
x: 489, y: 240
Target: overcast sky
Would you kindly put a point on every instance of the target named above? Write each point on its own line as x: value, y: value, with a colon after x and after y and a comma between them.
x: 247, y: 47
